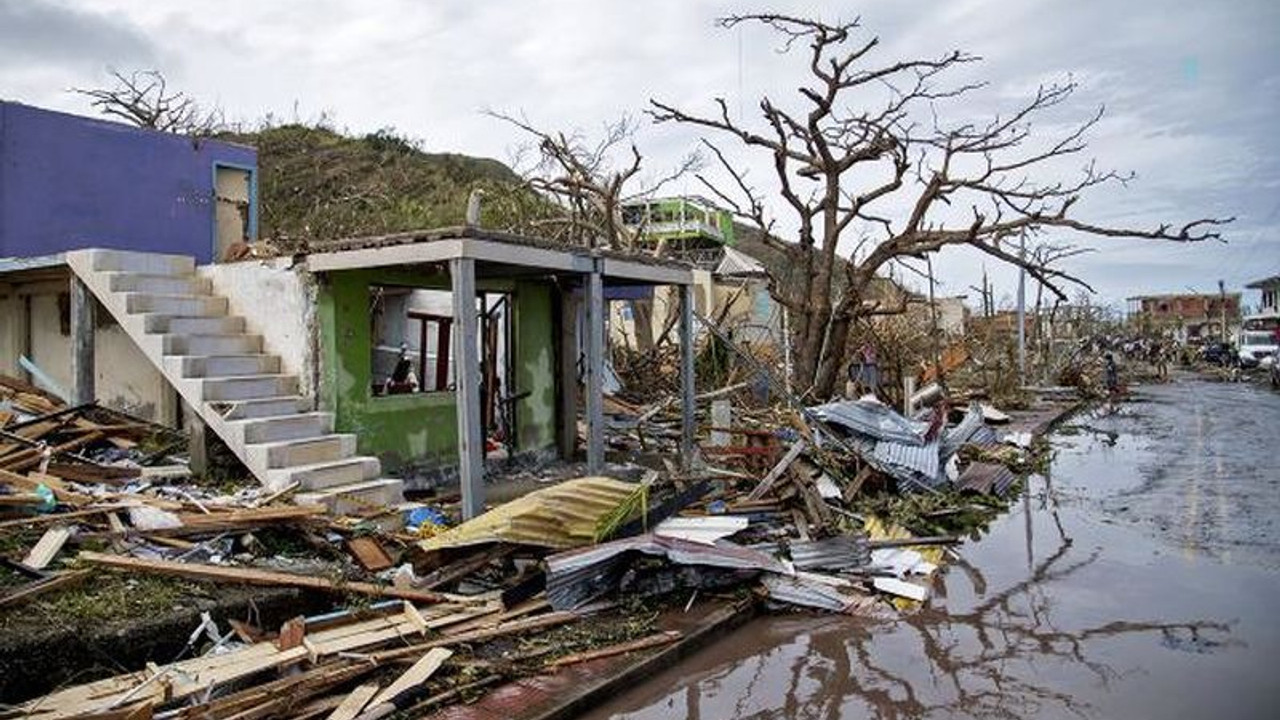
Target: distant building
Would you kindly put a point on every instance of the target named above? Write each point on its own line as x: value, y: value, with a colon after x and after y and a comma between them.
x: 1270, y: 288
x: 1190, y: 317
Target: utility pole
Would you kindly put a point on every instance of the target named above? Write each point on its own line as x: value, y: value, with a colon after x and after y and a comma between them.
x: 1222, y: 310
x: 933, y: 318
x: 1022, y: 313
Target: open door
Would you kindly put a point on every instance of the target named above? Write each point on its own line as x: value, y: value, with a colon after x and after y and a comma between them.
x: 233, y: 209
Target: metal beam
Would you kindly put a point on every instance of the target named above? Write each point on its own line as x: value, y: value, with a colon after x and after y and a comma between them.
x: 686, y: 376
x: 466, y: 373
x: 595, y: 370
x: 82, y: 332
x: 570, y: 302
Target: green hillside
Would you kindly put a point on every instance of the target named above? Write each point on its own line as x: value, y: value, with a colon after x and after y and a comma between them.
x: 316, y: 184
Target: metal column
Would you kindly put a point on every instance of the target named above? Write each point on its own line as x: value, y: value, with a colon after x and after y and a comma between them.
x: 686, y: 376
x: 466, y: 374
x: 82, y: 330
x: 568, y: 374
x: 595, y: 370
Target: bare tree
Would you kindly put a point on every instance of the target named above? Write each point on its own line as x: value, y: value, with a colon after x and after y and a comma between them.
x: 857, y: 148
x: 586, y: 184
x: 144, y: 99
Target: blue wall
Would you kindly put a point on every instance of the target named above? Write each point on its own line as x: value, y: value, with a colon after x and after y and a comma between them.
x: 70, y: 182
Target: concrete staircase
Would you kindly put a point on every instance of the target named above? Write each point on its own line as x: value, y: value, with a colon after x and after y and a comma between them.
x: 222, y: 372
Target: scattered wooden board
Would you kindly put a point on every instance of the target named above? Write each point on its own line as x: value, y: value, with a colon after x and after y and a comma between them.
x: 369, y: 553
x: 354, y: 702
x: 417, y: 674
x: 48, y: 547
x: 253, y: 576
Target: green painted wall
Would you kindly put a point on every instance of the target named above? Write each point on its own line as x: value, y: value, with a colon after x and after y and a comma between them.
x: 413, y: 429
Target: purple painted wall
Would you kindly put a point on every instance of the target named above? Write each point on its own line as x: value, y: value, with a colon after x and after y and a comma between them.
x: 70, y: 182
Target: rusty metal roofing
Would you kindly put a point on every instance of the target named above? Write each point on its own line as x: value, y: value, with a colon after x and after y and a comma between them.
x: 464, y: 232
x: 562, y: 516
x: 987, y: 478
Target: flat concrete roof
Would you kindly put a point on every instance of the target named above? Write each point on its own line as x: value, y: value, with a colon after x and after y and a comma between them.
x: 493, y: 248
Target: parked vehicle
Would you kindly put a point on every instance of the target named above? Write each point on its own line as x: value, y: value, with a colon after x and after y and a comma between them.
x: 1259, y: 339
x: 1218, y: 353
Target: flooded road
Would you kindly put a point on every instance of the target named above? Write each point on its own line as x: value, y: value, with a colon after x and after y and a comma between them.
x: 1139, y: 579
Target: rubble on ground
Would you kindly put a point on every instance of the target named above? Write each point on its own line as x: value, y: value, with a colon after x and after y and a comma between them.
x: 845, y: 507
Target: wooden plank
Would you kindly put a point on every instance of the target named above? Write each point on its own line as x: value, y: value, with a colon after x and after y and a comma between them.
x: 767, y: 483
x: 354, y: 702
x: 35, y: 589
x: 654, y: 640
x: 369, y: 553
x: 48, y: 547
x: 417, y: 674
x: 253, y: 576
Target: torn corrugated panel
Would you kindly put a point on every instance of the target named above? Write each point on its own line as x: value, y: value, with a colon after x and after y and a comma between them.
x: 872, y: 418
x: 960, y: 434
x: 915, y: 468
x: 562, y: 516
x: 986, y: 478
x: 841, y: 552
x: 796, y: 591
x: 706, y: 530
x: 578, y: 576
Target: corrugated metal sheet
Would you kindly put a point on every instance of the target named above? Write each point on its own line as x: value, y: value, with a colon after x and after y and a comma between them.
x: 808, y: 594
x: 736, y: 262
x: 874, y: 419
x: 561, y: 516
x: 578, y: 576
x: 835, y: 553
x: 986, y: 478
x: 953, y: 438
x: 913, y: 467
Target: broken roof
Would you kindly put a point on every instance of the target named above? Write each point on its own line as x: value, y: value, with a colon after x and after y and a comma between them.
x: 493, y: 247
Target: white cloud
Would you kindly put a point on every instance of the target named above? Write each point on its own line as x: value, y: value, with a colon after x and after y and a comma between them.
x: 1191, y: 87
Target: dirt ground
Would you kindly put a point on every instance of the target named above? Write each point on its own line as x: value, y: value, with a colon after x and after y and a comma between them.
x: 1135, y: 579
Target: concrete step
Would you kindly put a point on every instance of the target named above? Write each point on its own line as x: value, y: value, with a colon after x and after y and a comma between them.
x: 260, y: 407
x: 327, y: 474
x: 196, y: 305
x: 307, y: 451
x: 141, y: 262
x: 247, y: 387
x: 223, y: 365
x: 283, y: 427
x: 183, y: 325
x: 158, y: 284
x: 233, y: 344
x: 356, y: 498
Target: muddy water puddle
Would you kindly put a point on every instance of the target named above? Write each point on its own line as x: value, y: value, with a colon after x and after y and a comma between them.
x: 1119, y: 586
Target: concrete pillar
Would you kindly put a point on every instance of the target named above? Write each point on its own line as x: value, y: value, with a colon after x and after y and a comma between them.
x: 82, y: 334
x: 687, y: 425
x: 595, y: 370
x: 466, y: 364
x: 197, y: 440
x: 570, y: 302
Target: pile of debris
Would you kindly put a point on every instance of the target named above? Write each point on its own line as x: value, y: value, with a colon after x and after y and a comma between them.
x: 778, y: 512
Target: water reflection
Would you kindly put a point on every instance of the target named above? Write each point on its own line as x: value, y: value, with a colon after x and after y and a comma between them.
x: 989, y: 647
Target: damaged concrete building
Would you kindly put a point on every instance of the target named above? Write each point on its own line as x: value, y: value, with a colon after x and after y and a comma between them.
x: 345, y: 371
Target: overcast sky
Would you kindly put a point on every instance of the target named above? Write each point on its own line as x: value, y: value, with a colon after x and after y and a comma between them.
x: 1192, y: 88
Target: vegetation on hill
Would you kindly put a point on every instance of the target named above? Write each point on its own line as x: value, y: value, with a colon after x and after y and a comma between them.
x: 317, y: 184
